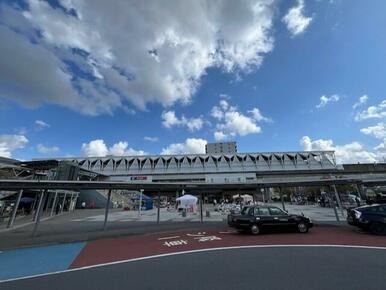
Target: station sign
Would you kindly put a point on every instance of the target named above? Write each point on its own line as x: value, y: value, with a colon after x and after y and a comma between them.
x: 139, y: 178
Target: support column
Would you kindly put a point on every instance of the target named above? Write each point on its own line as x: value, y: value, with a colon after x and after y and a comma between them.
x: 159, y: 206
x: 334, y: 207
x: 76, y: 200
x: 282, y: 199
x: 140, y: 203
x: 201, y: 212
x: 263, y: 194
x: 107, y: 209
x: 39, y: 211
x: 54, y: 203
x: 64, y: 200
x: 14, y: 211
x: 360, y: 191
x: 338, y: 199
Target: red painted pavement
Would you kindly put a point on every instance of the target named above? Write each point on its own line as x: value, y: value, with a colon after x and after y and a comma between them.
x: 118, y: 249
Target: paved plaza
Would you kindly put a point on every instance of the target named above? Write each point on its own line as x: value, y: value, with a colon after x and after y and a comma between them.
x: 316, y: 213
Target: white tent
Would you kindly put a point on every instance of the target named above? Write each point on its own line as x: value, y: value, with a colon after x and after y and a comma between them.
x: 244, y: 197
x: 188, y: 202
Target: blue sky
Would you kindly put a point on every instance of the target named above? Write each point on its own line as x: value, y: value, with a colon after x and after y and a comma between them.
x: 281, y: 75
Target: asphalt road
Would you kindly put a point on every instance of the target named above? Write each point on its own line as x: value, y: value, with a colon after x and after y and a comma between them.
x: 252, y: 268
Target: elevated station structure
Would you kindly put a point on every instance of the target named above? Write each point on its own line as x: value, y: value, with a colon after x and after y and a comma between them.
x: 207, y: 168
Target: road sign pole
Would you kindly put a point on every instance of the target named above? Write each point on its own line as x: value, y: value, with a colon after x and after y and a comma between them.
x: 201, y: 212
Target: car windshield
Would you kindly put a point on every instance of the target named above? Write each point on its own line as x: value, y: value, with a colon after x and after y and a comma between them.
x: 245, y: 210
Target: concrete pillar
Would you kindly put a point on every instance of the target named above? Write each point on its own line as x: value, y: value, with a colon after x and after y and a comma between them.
x: 14, y: 211
x: 39, y: 211
x: 282, y: 198
x: 338, y: 199
x: 64, y: 200
x: 335, y: 211
x: 201, y: 210
x: 107, y: 209
x: 39, y: 200
x: 54, y: 203
x: 158, y: 206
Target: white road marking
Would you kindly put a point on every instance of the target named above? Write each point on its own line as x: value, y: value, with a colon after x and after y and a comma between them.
x: 168, y: 238
x: 193, y: 251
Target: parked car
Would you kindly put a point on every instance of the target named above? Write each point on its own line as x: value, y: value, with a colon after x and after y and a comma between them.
x: 256, y: 219
x: 369, y: 218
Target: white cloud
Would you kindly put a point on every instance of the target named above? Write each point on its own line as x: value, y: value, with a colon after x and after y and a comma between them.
x: 295, y: 19
x: 95, y: 148
x: 219, y: 136
x: 378, y: 131
x: 98, y: 148
x: 40, y: 125
x: 165, y: 63
x: 256, y: 114
x: 349, y: 153
x: 121, y: 148
x: 362, y: 100
x: 190, y: 146
x: 233, y: 123
x: 46, y: 150
x: 9, y: 143
x: 151, y: 139
x: 324, y: 100
x: 381, y: 147
x: 373, y: 112
x: 169, y: 119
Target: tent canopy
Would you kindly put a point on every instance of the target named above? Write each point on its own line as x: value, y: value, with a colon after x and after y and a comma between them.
x: 187, y: 199
x: 245, y: 197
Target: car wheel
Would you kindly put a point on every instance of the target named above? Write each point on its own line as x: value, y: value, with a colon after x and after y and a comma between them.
x: 302, y: 227
x: 377, y: 228
x: 255, y: 230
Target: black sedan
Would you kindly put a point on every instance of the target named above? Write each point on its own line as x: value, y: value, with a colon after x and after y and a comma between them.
x: 258, y: 218
x: 369, y: 218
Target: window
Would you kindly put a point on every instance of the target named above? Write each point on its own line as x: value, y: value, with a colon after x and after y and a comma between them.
x: 245, y: 210
x: 276, y: 211
x: 382, y: 209
x: 262, y: 211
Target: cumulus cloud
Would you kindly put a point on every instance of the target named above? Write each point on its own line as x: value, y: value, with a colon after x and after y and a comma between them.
x: 256, y: 114
x: 169, y: 120
x: 372, y: 112
x: 378, y: 131
x: 46, y: 150
x: 72, y: 56
x: 349, y: 153
x: 40, y: 125
x: 9, y: 143
x: 190, y: 146
x: 151, y: 139
x: 295, y: 19
x: 98, y: 148
x: 324, y: 100
x: 232, y: 123
x: 362, y: 100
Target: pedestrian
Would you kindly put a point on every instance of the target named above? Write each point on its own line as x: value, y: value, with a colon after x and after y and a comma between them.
x: 58, y: 206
